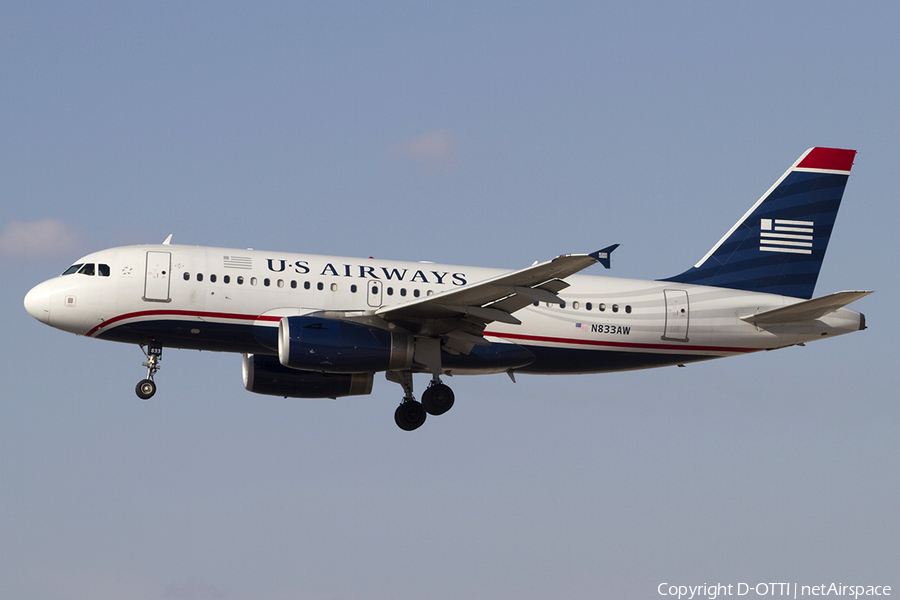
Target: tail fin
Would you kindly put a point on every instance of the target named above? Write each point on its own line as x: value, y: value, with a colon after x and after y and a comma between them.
x: 779, y: 245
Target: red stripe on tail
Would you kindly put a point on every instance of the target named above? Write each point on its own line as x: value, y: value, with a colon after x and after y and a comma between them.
x: 831, y: 159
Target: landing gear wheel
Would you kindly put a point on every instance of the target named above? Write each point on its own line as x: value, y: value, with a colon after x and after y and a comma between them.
x: 438, y: 399
x: 145, y: 389
x: 410, y: 415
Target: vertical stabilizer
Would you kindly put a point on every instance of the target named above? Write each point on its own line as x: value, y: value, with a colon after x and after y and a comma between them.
x: 778, y: 246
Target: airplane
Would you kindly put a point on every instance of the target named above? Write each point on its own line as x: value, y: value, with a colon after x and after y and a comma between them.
x: 311, y: 326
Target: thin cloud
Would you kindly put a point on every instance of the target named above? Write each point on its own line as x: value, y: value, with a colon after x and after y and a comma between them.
x: 435, y: 149
x: 46, y: 238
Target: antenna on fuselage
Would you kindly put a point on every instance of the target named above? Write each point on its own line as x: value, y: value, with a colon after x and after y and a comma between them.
x: 168, y: 240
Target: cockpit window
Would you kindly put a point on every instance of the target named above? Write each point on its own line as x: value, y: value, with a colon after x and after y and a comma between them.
x: 88, y: 269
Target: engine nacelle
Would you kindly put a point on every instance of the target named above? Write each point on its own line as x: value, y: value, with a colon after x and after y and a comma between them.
x: 265, y: 375
x: 337, y: 346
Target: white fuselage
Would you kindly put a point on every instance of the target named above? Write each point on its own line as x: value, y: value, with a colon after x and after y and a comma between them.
x: 232, y: 300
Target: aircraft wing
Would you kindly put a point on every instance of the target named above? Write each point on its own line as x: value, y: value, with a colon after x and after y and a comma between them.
x: 462, y: 314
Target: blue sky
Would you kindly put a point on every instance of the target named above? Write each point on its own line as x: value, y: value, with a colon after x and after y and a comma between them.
x: 468, y: 133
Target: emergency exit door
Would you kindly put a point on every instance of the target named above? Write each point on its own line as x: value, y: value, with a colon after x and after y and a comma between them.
x: 374, y: 293
x: 157, y: 275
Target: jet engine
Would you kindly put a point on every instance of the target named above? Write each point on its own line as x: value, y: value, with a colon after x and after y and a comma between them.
x: 265, y: 375
x: 338, y: 346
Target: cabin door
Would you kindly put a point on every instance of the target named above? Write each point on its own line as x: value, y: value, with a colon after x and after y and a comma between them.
x: 156, y: 279
x: 677, y: 315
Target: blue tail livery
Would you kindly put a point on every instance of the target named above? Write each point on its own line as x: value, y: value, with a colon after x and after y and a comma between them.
x: 779, y: 245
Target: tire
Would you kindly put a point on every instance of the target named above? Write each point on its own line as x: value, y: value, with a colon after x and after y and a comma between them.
x: 438, y: 399
x: 410, y: 415
x: 145, y: 389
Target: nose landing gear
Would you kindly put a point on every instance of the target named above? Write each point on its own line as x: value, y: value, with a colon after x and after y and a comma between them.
x: 147, y: 387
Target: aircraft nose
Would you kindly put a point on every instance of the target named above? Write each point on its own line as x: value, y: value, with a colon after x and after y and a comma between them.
x: 37, y: 302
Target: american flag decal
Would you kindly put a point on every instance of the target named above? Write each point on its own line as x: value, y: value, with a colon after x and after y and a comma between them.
x: 238, y: 262
x: 782, y: 235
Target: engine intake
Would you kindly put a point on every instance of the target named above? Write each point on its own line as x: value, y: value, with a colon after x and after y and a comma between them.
x: 265, y: 375
x: 337, y: 346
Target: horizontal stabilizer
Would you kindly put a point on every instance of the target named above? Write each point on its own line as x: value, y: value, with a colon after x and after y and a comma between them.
x: 807, y: 310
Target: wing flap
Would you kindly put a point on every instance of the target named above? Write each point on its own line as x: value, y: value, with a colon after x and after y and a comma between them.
x: 486, y: 313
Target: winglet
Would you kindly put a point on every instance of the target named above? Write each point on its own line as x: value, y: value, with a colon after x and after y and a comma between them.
x: 602, y: 256
x: 168, y: 240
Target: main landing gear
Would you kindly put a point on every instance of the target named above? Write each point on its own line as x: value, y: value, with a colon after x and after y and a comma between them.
x: 436, y: 400
x: 147, y: 387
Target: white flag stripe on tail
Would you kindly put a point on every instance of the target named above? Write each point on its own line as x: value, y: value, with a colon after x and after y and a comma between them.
x: 786, y: 222
x: 786, y: 236
x: 787, y: 243
x: 795, y: 229
x: 789, y: 250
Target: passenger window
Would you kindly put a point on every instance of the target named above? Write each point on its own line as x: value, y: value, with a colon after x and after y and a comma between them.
x: 305, y: 285
x: 87, y: 269
x: 281, y: 283
x: 266, y: 282
x: 187, y: 276
x: 73, y: 269
x: 402, y: 291
x: 212, y: 278
x: 628, y: 308
x: 253, y: 281
x: 103, y: 270
x: 240, y: 280
x: 390, y: 291
x: 562, y: 304
x: 320, y: 286
x: 601, y: 306
x: 333, y: 287
x: 615, y: 308
x: 587, y: 306
x: 575, y: 305
x: 353, y: 289
x: 199, y: 276
x: 293, y: 284
x: 416, y: 293
x: 226, y: 278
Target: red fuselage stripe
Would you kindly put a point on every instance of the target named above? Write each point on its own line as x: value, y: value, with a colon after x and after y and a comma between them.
x: 559, y: 340
x: 182, y: 313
